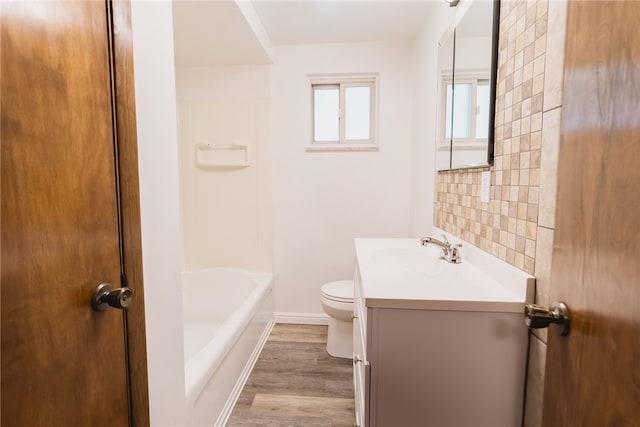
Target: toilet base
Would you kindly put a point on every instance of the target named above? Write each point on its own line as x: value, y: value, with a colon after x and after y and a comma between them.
x: 340, y: 339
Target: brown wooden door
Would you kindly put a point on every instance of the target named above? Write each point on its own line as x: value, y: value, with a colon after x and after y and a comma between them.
x: 63, y: 364
x: 593, y: 375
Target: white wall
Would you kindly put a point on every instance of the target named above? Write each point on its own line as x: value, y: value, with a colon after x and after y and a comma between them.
x: 159, y: 204
x: 323, y: 200
x: 226, y: 212
x: 473, y: 53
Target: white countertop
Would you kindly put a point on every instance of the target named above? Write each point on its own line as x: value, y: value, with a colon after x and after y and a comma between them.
x: 401, y: 273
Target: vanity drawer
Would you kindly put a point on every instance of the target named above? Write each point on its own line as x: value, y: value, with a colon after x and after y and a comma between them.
x: 361, y: 372
x: 359, y: 389
x: 360, y: 363
x: 360, y: 318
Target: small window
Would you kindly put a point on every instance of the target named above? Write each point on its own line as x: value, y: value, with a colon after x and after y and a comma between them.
x: 467, y: 101
x: 343, y: 113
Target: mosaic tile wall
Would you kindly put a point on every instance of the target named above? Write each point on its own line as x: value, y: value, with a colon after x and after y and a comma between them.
x: 506, y: 226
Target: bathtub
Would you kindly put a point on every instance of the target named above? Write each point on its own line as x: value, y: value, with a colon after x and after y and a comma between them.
x: 228, y: 315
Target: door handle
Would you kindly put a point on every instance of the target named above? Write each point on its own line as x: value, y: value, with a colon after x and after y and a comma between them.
x: 105, y: 295
x: 537, y: 316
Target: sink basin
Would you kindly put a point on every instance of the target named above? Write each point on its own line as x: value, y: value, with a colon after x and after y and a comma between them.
x: 420, y: 261
x: 401, y: 273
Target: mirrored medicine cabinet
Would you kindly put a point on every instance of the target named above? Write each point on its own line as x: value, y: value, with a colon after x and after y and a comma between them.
x: 467, y: 69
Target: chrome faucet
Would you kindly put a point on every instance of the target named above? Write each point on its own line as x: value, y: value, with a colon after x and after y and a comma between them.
x: 450, y: 251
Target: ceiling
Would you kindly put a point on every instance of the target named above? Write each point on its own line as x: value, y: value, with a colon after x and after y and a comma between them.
x: 329, y: 21
x: 214, y: 33
x: 217, y: 32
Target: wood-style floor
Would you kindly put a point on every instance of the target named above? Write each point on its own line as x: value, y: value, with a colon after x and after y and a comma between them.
x: 296, y: 383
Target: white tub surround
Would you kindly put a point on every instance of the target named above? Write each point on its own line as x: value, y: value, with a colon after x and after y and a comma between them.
x: 225, y: 166
x: 437, y: 343
x: 228, y: 315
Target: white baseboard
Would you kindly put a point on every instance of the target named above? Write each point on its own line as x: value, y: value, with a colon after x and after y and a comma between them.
x: 302, y: 318
x: 244, y: 376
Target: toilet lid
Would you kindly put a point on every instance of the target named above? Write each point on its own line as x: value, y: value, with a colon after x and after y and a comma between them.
x: 341, y: 290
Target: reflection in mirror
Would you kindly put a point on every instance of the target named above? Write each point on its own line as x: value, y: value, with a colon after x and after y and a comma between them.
x: 472, y: 76
x: 468, y: 97
x: 445, y: 75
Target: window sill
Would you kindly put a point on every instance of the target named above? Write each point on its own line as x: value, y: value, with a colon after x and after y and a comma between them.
x: 341, y: 147
x: 481, y: 145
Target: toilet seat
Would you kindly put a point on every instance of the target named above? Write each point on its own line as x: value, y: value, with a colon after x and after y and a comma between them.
x: 338, y: 291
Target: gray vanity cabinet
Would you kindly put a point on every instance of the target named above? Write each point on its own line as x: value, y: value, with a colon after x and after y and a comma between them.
x: 425, y: 367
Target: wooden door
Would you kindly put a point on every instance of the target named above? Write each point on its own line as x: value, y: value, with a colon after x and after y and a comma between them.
x: 593, y: 375
x: 63, y: 364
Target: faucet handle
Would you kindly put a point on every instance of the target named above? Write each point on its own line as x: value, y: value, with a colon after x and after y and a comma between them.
x: 444, y: 236
x: 454, y: 254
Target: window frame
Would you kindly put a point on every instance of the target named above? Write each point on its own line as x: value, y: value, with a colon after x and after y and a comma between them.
x: 473, y: 77
x: 342, y: 82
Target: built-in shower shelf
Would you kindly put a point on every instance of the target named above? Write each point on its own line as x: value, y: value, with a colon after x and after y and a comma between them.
x: 222, y: 156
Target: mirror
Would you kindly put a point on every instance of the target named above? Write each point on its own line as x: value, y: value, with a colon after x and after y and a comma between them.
x: 445, y: 78
x: 467, y: 65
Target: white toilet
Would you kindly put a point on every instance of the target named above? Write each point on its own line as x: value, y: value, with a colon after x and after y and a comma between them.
x: 337, y: 302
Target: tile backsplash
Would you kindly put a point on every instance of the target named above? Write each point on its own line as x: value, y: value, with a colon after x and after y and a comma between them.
x: 507, y: 225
